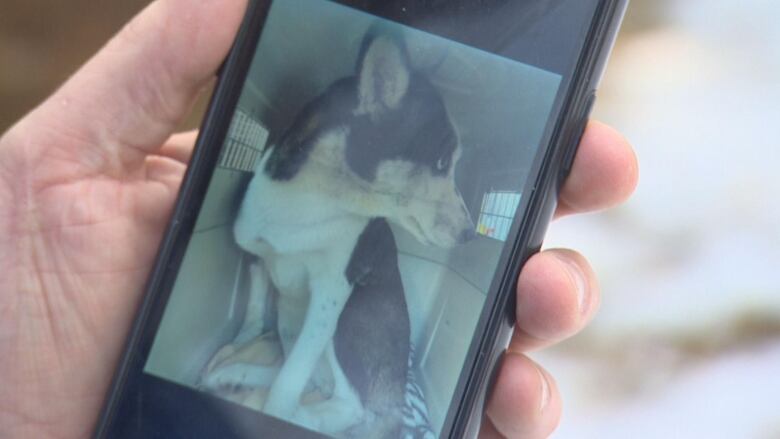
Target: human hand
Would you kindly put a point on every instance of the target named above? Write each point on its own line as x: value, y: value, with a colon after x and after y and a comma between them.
x: 87, y: 181
x: 557, y: 292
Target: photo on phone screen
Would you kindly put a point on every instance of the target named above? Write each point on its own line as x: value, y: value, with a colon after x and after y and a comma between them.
x: 354, y: 223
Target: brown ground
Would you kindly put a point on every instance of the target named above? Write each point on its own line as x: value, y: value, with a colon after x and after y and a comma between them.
x: 42, y: 42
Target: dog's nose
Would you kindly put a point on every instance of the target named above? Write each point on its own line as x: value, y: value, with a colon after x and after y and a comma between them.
x: 466, y: 235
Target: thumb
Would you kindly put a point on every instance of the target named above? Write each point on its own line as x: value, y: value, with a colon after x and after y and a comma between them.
x: 126, y: 101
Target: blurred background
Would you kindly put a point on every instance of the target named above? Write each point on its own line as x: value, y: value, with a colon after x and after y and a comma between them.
x: 687, y: 343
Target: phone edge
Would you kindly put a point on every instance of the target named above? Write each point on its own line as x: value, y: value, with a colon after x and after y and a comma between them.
x: 540, y: 212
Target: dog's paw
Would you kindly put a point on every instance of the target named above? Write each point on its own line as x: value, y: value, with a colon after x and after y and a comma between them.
x: 330, y: 416
x: 239, y: 376
x: 222, y: 354
x: 224, y: 378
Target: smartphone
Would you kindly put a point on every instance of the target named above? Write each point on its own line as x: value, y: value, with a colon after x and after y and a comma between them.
x: 368, y: 180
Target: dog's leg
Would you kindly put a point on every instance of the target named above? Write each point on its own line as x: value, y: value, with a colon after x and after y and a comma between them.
x: 246, y: 236
x: 341, y: 411
x: 291, y: 313
x: 329, y: 293
x: 254, y: 318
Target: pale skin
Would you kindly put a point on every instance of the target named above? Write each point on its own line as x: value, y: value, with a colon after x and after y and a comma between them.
x: 87, y: 182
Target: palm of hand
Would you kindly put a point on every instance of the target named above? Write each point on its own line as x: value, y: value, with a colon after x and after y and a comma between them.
x: 87, y: 181
x: 80, y: 242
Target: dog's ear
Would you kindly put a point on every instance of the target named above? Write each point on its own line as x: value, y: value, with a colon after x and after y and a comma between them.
x: 383, y: 74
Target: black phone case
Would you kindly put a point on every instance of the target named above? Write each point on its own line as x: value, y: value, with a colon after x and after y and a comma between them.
x: 495, y: 327
x: 544, y: 200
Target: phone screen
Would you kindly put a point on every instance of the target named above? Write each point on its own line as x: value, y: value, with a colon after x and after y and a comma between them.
x: 359, y: 217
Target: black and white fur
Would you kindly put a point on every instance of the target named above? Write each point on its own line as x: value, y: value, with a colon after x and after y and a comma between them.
x: 374, y: 148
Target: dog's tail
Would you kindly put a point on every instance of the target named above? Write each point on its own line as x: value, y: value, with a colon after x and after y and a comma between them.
x: 400, y: 421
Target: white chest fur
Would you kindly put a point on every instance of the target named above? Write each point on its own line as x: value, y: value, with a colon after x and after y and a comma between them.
x: 306, y: 224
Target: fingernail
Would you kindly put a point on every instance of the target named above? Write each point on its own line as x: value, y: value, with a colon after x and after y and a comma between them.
x: 579, y: 280
x: 545, y: 396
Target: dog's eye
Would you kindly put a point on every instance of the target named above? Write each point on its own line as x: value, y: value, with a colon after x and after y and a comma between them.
x: 443, y: 163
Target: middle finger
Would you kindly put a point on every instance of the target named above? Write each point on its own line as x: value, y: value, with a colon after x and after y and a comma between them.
x: 557, y: 295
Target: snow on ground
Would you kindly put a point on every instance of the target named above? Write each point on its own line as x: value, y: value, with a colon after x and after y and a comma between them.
x: 731, y: 397
x: 697, y: 249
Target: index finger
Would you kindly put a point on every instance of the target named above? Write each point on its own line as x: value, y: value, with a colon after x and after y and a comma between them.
x: 604, y: 174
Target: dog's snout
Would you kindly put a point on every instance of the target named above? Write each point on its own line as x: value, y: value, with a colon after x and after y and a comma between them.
x: 466, y: 235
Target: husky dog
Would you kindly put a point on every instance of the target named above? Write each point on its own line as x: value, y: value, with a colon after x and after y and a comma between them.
x: 374, y: 148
